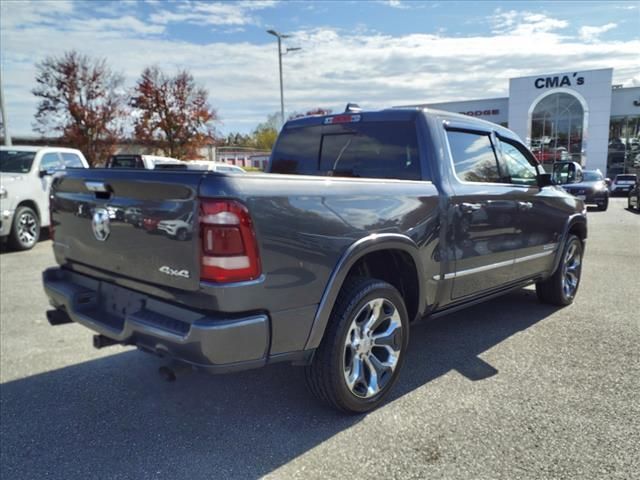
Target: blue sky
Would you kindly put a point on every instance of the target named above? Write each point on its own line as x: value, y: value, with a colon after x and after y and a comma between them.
x: 377, y: 53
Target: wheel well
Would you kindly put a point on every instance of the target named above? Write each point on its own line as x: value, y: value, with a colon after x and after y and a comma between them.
x: 579, y: 229
x: 395, y: 267
x: 32, y: 205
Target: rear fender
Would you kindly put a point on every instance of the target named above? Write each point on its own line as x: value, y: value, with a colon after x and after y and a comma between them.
x: 364, y: 246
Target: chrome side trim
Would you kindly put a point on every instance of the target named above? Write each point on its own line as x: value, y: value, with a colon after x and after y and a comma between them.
x: 483, y: 268
x: 533, y: 257
x: 506, y: 263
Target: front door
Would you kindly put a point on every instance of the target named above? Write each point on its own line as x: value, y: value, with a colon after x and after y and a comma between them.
x: 485, y: 215
x: 541, y: 218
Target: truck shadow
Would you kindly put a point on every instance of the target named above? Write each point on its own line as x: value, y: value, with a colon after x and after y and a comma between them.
x: 115, y: 417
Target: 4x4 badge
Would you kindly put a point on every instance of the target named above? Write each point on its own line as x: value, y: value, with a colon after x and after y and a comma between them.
x: 173, y: 272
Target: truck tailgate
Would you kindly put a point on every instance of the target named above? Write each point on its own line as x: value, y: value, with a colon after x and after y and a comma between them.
x: 140, y: 224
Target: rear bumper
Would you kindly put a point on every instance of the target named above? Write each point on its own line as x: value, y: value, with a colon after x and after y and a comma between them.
x: 215, y: 342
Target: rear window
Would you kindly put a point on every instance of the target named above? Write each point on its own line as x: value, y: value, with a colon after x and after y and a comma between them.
x: 125, y: 161
x: 366, y: 150
x: 590, y: 176
x: 16, y: 161
x: 626, y: 177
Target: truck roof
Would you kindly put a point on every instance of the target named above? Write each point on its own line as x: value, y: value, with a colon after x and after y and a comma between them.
x: 399, y: 114
x: 36, y: 148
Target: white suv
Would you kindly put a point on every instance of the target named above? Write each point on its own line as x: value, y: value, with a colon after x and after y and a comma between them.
x: 25, y: 178
x: 623, y: 183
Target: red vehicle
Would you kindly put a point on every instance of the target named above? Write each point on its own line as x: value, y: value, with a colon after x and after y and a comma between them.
x: 559, y: 154
x: 150, y: 224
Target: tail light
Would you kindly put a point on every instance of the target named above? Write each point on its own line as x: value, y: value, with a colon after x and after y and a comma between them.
x: 228, y: 250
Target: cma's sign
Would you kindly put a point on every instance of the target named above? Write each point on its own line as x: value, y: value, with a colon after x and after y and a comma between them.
x: 559, y: 81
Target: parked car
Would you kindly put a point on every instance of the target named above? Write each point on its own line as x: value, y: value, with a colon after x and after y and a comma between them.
x: 25, y: 177
x: 134, y: 216
x: 368, y: 222
x: 180, y: 228
x: 206, y: 165
x: 633, y: 201
x: 623, y: 183
x: 214, y: 166
x: 591, y: 190
x: 142, y: 161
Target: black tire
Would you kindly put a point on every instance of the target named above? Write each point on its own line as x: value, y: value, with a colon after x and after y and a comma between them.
x: 25, y: 229
x: 182, y: 234
x: 326, y: 376
x: 553, y: 290
x: 604, y: 206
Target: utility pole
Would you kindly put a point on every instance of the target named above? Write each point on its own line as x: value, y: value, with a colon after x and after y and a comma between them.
x: 280, y: 36
x: 5, y: 126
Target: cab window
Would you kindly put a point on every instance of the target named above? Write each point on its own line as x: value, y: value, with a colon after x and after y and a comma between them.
x: 71, y: 160
x: 514, y: 164
x: 50, y: 161
x: 474, y: 158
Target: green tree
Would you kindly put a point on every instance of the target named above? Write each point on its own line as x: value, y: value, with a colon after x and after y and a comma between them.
x: 265, y: 134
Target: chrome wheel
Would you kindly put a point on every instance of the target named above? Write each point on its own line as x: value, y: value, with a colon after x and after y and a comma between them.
x: 571, y: 270
x: 27, y: 229
x: 372, y: 348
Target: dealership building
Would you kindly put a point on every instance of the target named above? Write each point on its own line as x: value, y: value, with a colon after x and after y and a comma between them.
x: 577, y: 115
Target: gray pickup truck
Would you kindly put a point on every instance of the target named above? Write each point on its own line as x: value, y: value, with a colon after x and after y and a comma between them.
x: 367, y: 222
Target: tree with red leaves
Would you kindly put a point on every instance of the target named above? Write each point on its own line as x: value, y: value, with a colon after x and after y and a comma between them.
x: 173, y: 113
x: 83, y: 100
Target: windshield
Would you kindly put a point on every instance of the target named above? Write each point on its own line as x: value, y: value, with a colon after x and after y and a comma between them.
x: 125, y: 161
x: 592, y: 176
x: 15, y: 161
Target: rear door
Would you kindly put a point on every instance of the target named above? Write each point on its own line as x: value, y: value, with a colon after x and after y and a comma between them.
x: 485, y: 214
x: 107, y: 219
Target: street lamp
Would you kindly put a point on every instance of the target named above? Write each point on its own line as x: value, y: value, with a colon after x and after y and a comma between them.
x: 280, y: 36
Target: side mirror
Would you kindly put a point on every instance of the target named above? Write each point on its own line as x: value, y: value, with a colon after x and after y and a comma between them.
x: 607, y: 181
x: 44, y: 173
x: 567, y: 172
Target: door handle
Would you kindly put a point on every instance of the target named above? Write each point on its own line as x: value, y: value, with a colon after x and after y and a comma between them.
x: 469, y: 207
x: 525, y: 205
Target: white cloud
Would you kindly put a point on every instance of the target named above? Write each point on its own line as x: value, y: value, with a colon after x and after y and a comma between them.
x: 396, y: 4
x: 213, y: 13
x: 592, y: 33
x: 335, y: 66
x: 524, y: 23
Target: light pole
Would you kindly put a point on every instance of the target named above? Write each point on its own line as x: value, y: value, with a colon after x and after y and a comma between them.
x: 280, y: 36
x: 3, y: 111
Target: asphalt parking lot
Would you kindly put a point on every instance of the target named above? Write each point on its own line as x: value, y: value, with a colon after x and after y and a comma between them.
x: 508, y: 389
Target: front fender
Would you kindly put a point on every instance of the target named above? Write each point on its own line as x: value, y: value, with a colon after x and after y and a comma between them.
x: 364, y: 246
x: 574, y: 220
